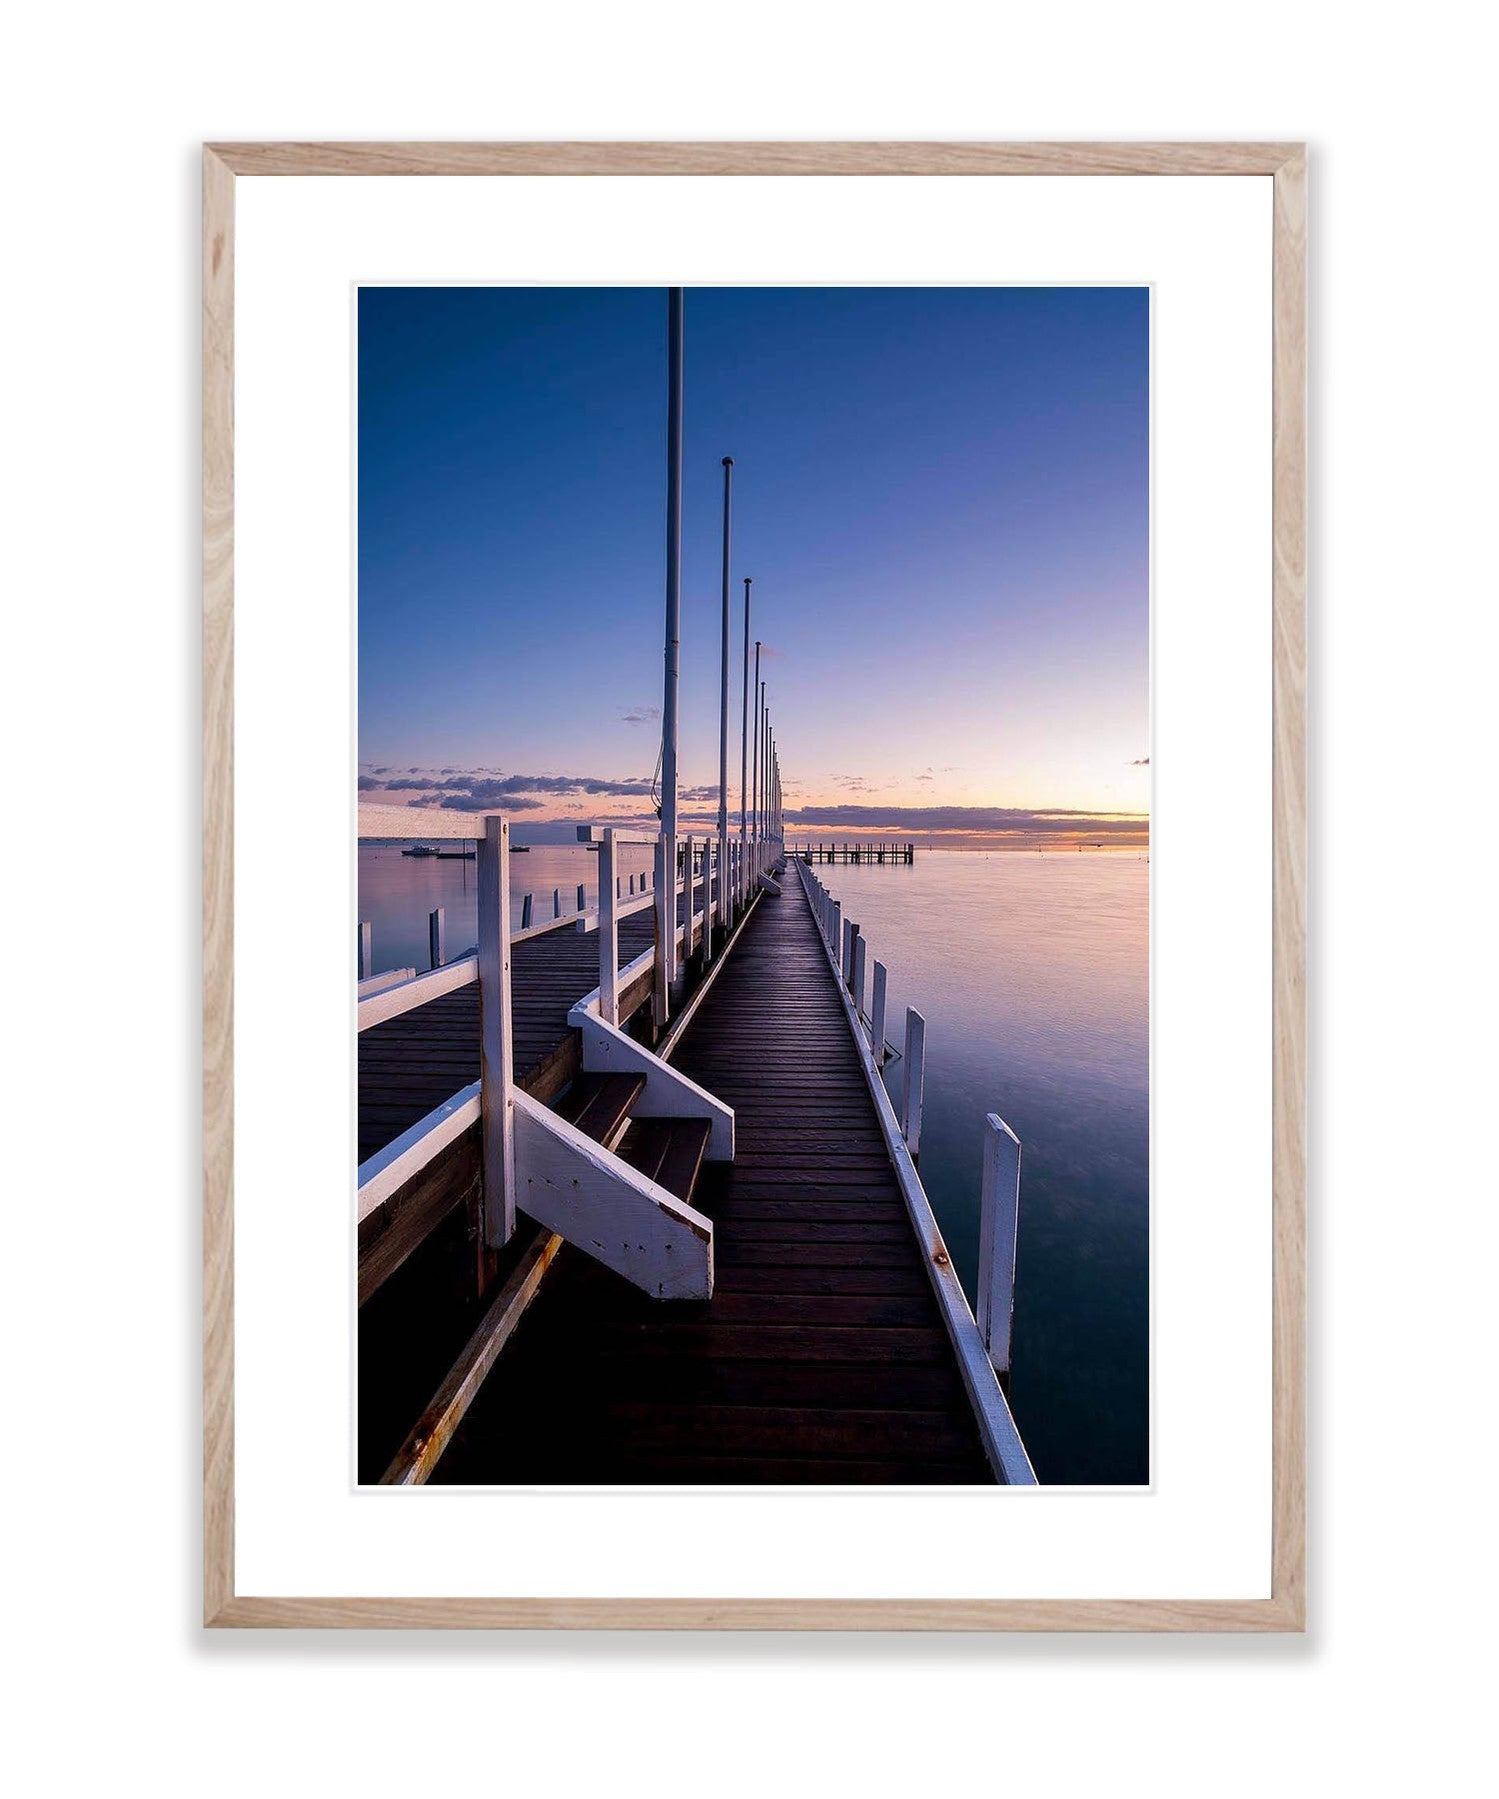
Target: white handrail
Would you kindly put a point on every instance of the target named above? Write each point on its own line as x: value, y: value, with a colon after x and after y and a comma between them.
x: 407, y: 1155
x: 418, y: 990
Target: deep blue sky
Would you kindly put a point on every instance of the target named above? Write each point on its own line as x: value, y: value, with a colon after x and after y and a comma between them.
x: 942, y: 495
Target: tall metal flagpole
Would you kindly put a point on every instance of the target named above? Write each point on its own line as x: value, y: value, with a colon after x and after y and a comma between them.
x: 744, y: 759
x: 755, y: 789
x: 666, y: 889
x: 770, y: 775
x: 764, y: 766
x: 723, y: 720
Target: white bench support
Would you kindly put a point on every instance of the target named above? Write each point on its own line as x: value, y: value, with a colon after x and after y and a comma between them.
x: 668, y: 1092
x: 496, y: 1034
x: 577, y: 1188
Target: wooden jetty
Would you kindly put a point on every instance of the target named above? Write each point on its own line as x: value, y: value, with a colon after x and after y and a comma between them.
x: 901, y: 854
x: 719, y: 1265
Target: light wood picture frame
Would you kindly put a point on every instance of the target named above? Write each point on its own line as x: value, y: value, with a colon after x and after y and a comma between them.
x: 1285, y: 164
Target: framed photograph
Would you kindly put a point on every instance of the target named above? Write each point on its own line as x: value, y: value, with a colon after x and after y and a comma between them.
x: 754, y: 923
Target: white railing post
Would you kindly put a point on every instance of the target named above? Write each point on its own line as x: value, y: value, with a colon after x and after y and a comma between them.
x: 861, y: 949
x: 846, y: 951
x: 608, y: 932
x: 525, y: 913
x: 999, y: 1218
x: 687, y: 885
x: 556, y: 902
x: 835, y: 930
x: 437, y: 948
x: 582, y: 896
x: 877, y: 1016
x: 666, y: 925
x: 853, y: 956
x: 708, y: 843
x: 366, y: 952
x: 496, y: 1034
x: 910, y: 1106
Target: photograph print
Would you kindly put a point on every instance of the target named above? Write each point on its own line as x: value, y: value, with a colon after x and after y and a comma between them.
x: 753, y: 930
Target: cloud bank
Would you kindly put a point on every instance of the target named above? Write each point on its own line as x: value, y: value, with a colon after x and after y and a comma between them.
x: 991, y: 820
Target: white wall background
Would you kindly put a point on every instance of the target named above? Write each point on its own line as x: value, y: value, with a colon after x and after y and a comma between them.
x: 104, y: 109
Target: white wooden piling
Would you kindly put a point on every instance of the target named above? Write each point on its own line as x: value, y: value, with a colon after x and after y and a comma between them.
x: 525, y: 913
x: 861, y: 949
x: 437, y: 949
x: 666, y: 928
x: 687, y: 886
x: 877, y: 1016
x: 496, y: 1033
x: 708, y: 879
x: 366, y: 952
x: 835, y: 930
x: 582, y: 896
x: 999, y: 1218
x: 915, y: 1059
x: 556, y: 902
x: 608, y: 932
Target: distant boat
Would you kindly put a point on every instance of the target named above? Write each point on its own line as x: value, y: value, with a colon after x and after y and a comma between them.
x: 426, y: 850
x: 421, y: 849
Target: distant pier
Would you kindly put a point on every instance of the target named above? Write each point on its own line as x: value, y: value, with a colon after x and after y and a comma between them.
x: 902, y: 854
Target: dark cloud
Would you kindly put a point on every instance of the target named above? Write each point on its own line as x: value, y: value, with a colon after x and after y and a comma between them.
x: 464, y: 802
x: 486, y: 789
x: 1141, y: 762
x: 639, y: 715
x: 965, y: 818
x: 366, y: 782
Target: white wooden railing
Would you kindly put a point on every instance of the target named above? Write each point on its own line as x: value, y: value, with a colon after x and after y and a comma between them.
x: 983, y: 1343
x: 724, y: 872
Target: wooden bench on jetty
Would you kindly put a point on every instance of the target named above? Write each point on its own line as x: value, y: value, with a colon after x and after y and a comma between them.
x: 715, y: 1261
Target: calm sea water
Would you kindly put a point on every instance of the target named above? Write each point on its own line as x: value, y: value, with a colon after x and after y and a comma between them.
x: 1032, y: 972
x: 397, y: 893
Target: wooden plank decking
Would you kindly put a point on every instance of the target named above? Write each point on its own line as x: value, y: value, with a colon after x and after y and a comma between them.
x: 821, y: 1356
x: 411, y: 1064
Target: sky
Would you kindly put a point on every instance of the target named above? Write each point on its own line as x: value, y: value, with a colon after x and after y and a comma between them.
x: 942, y: 496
